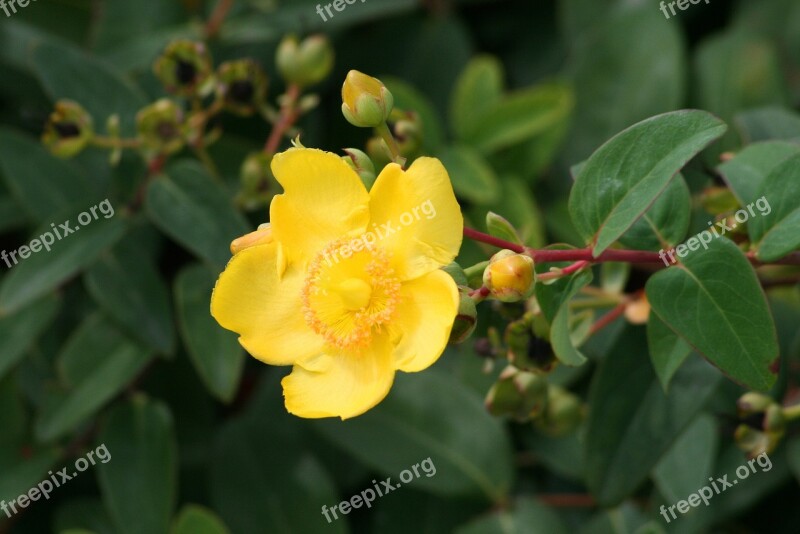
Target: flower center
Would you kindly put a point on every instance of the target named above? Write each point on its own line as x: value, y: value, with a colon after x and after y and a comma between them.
x: 350, y: 291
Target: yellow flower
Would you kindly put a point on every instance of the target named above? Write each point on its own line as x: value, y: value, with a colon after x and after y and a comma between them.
x: 348, y: 287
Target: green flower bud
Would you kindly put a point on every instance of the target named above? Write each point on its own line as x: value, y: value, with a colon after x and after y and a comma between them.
x: 755, y: 442
x: 753, y: 403
x: 68, y: 130
x: 360, y: 162
x: 509, y: 276
x: 467, y: 318
x: 366, y: 102
x: 518, y: 394
x: 525, y: 350
x: 304, y: 63
x: 407, y: 130
x: 456, y: 273
x: 160, y: 126
x: 256, y: 177
x: 564, y: 412
x: 185, y: 68
x: 242, y: 86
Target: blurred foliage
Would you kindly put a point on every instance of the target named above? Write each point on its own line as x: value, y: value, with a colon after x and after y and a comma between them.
x: 107, y: 338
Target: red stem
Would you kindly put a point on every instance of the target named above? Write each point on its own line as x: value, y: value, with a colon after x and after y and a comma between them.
x: 585, y: 254
x: 568, y: 500
x: 608, y: 318
x: 218, y: 17
x: 288, y: 117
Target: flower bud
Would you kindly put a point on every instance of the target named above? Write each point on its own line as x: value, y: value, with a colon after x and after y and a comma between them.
x: 467, y: 318
x: 638, y: 311
x: 360, y: 162
x: 563, y: 414
x: 160, y: 126
x: 68, y: 130
x: 518, y: 394
x: 509, y: 276
x: 304, y: 63
x: 526, y: 351
x: 242, y: 86
x: 256, y: 178
x: 185, y: 68
x: 366, y: 102
x: 407, y: 130
x: 262, y: 236
x: 755, y: 442
x: 456, y: 273
x: 753, y: 403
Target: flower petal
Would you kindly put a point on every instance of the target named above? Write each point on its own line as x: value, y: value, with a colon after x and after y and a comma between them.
x: 340, y: 385
x: 415, y: 215
x: 253, y: 300
x: 424, y: 319
x: 323, y: 199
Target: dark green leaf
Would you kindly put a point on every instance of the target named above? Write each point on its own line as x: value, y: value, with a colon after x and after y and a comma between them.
x: 624, y: 177
x: 632, y: 423
x: 665, y: 223
x: 560, y: 331
x: 20, y: 330
x: 526, y: 517
x: 97, y: 362
x: 775, y: 231
x: 690, y: 461
x: 195, y: 519
x: 139, y: 482
x: 215, y: 352
x: 714, y: 300
x: 668, y: 351
x: 478, y: 88
x: 746, y: 172
x: 196, y: 212
x: 768, y: 123
x: 469, y: 449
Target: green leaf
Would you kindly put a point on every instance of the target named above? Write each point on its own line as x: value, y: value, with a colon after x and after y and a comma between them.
x: 745, y: 173
x: 127, y: 285
x: 714, y: 301
x: 69, y: 73
x: 665, y: 223
x: 21, y: 330
x: 431, y: 415
x: 262, y: 481
x: 196, y: 212
x: 195, y: 519
x: 668, y: 351
x: 96, y: 364
x: 408, y: 98
x: 632, y: 422
x: 775, y: 232
x: 478, y: 88
x: 83, y: 512
x: 25, y: 473
x: 521, y: 116
x: 472, y: 177
x: 43, y: 271
x: 690, y: 461
x: 215, y: 352
x: 768, y: 123
x: 138, y: 484
x: 498, y: 226
x: 518, y: 205
x: 560, y: 332
x: 624, y: 177
x: 41, y: 183
x: 11, y: 216
x: 526, y: 517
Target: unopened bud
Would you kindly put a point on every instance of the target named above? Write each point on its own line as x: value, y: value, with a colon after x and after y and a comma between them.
x: 519, y: 394
x: 564, y: 412
x: 360, y: 162
x: 638, y: 311
x: 366, y: 102
x: 257, y: 179
x: 753, y: 403
x: 509, y: 276
x: 755, y: 442
x: 467, y: 318
x: 68, y: 130
x: 307, y: 62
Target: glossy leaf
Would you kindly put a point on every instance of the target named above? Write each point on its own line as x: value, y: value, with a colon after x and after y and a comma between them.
x: 20, y: 330
x: 715, y: 302
x: 665, y: 223
x: 668, y: 351
x: 745, y: 173
x: 624, y: 177
x: 774, y: 232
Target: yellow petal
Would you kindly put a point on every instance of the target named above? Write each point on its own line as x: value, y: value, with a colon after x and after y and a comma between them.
x: 416, y: 216
x: 423, y: 320
x: 323, y: 199
x: 340, y: 385
x: 265, y: 310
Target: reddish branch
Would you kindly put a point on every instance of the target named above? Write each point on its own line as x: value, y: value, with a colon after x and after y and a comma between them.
x: 218, y: 17
x: 289, y: 114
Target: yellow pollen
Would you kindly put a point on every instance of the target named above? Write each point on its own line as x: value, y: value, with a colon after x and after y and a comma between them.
x: 347, y: 299
x: 355, y: 293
